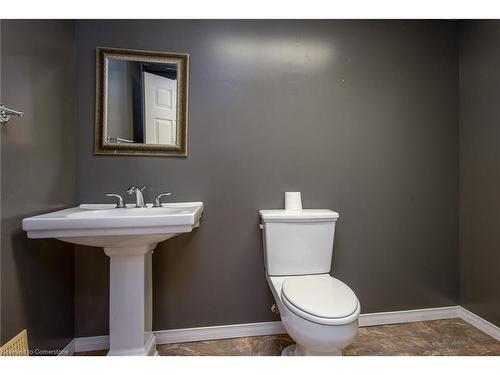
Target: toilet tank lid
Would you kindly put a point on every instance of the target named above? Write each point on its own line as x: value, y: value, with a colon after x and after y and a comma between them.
x: 309, y: 215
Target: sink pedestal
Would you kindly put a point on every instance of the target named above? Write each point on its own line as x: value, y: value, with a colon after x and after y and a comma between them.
x: 128, y: 236
x: 130, y: 301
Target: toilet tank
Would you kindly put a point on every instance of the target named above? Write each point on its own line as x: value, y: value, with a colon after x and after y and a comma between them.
x: 298, y: 242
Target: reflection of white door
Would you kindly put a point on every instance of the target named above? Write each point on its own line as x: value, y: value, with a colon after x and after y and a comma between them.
x: 160, y: 103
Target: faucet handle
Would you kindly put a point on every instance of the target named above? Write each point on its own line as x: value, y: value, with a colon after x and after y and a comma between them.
x: 119, y: 200
x: 131, y: 190
x: 157, y: 202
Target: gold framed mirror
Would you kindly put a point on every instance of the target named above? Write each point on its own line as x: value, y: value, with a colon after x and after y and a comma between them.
x: 141, y: 102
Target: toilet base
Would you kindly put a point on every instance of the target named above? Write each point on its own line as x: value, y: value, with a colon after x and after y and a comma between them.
x: 289, y: 350
x: 297, y: 350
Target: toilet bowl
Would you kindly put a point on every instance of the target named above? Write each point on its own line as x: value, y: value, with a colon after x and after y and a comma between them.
x: 318, y: 325
x: 318, y: 311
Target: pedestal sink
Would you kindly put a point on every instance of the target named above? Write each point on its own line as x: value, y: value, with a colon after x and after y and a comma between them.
x: 128, y: 236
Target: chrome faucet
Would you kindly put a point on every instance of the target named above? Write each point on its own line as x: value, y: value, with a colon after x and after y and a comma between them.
x: 139, y: 198
x: 119, y: 200
x: 157, y: 202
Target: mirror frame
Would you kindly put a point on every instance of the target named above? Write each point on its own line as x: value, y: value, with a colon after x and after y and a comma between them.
x: 101, y: 146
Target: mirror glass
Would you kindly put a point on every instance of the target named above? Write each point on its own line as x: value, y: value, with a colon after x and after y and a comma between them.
x: 143, y: 103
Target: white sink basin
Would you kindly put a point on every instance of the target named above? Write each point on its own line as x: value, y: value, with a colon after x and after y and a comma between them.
x: 84, y: 224
x: 128, y: 236
x: 125, y: 212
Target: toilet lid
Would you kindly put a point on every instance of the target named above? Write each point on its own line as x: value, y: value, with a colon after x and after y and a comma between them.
x: 321, y: 296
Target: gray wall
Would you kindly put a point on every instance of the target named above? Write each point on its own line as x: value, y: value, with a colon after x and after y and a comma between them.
x: 480, y: 168
x: 361, y: 116
x: 38, y: 175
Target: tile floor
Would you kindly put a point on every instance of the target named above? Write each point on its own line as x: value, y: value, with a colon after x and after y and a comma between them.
x: 436, y: 337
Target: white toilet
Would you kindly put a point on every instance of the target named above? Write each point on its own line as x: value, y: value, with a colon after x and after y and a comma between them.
x: 318, y: 311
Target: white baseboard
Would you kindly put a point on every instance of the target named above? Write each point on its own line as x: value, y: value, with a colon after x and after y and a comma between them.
x: 219, y: 332
x: 172, y: 336
x: 407, y: 316
x: 68, y: 349
x: 83, y: 344
x: 87, y: 344
x: 480, y: 323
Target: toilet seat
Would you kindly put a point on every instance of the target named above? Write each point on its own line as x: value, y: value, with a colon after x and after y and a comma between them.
x: 321, y: 299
